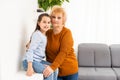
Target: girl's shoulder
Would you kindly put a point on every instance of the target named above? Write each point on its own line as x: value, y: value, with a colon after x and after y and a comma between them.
x: 36, y: 33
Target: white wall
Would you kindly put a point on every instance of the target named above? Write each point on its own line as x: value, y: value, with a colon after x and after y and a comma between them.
x: 94, y: 21
x: 16, y: 24
x: 90, y: 21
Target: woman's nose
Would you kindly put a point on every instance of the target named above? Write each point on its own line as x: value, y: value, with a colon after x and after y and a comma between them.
x: 56, y: 19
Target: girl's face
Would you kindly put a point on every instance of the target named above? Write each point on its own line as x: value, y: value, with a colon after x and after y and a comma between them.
x: 44, y: 23
x: 57, y: 20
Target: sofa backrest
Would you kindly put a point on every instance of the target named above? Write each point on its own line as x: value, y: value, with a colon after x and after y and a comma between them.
x: 94, y: 55
x: 115, y: 55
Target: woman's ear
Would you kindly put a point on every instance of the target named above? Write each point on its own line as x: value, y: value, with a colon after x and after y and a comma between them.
x: 64, y: 20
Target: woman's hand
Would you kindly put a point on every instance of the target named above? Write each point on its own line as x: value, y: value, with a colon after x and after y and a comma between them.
x: 27, y: 45
x: 47, y: 71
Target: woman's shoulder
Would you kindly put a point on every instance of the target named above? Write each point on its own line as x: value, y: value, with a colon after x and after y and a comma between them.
x: 49, y: 31
x: 65, y: 29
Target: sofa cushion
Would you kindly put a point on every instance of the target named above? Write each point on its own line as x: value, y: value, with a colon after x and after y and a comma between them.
x: 117, y: 71
x: 115, y: 54
x: 94, y: 55
x: 91, y: 73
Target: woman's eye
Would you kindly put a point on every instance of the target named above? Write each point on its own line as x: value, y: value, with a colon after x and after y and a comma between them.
x: 53, y: 16
x: 59, y: 17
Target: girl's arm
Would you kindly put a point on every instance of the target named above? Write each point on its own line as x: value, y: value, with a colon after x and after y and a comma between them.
x: 31, y: 47
x: 30, y: 70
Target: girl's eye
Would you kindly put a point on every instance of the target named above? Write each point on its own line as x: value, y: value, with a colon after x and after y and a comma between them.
x: 48, y: 22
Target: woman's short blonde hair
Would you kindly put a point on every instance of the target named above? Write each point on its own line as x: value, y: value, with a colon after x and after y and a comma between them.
x: 58, y: 9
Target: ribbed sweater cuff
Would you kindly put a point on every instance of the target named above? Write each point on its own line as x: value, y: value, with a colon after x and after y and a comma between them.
x: 54, y: 66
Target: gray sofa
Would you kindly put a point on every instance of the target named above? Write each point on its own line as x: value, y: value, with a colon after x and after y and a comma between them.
x: 99, y: 61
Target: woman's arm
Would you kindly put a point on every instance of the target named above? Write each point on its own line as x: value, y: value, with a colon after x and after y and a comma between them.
x: 66, y: 48
x: 28, y: 45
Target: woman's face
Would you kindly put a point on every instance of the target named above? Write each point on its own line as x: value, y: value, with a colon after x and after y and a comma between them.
x: 57, y: 20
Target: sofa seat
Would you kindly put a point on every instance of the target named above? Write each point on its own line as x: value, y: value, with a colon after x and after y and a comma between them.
x: 95, y: 62
x: 115, y: 55
x: 117, y: 71
x: 91, y: 73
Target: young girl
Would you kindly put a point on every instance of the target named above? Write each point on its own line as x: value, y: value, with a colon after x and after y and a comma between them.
x: 33, y: 60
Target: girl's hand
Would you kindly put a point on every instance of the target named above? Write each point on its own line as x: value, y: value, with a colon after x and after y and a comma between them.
x: 30, y: 71
x: 47, y: 71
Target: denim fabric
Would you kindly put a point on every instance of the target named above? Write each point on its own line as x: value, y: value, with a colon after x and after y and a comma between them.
x: 39, y: 67
x: 69, y: 77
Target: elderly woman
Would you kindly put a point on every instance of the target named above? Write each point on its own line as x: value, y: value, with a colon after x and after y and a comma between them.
x: 59, y: 50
